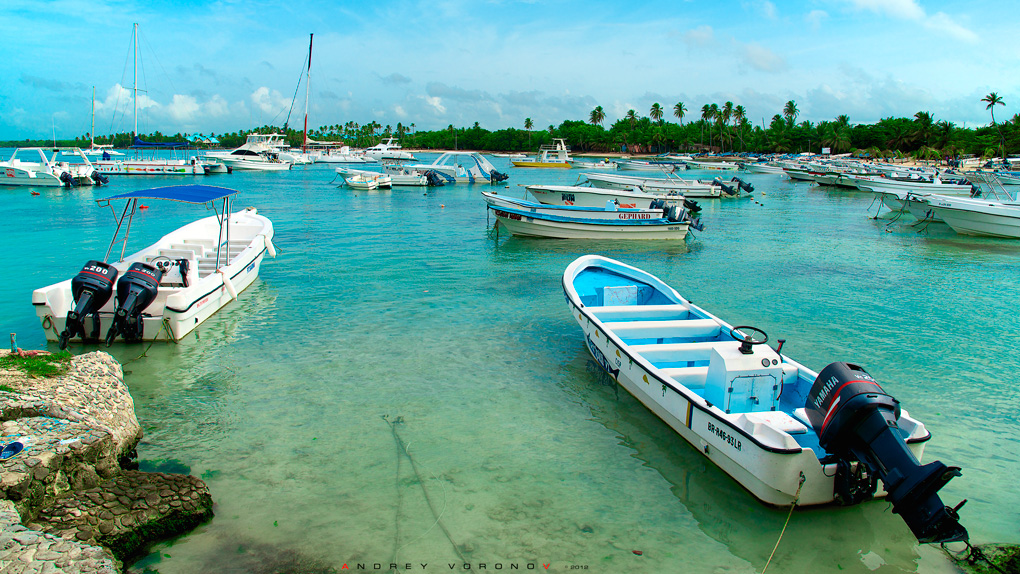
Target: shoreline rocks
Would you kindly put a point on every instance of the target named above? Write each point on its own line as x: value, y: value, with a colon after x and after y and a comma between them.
x: 66, y: 497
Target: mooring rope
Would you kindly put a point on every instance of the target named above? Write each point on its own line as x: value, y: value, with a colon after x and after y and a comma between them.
x: 796, y: 498
x: 973, y: 554
x: 405, y: 449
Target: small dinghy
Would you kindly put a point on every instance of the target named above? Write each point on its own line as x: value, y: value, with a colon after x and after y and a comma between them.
x: 166, y: 290
x: 785, y: 433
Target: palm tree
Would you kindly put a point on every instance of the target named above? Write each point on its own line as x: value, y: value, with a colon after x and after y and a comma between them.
x: 679, y: 110
x: 923, y: 128
x: 790, y: 112
x: 992, y: 99
x: 656, y: 112
x: 598, y: 115
x: 739, y: 117
x: 714, y: 116
x: 632, y: 118
x: 706, y: 115
x: 727, y: 113
x: 528, y: 124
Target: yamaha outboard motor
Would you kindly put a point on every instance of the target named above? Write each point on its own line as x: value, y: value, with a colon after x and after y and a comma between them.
x: 91, y: 288
x: 66, y: 179
x: 136, y: 290
x: 692, y: 206
x: 433, y: 178
x: 856, y: 421
x: 496, y: 177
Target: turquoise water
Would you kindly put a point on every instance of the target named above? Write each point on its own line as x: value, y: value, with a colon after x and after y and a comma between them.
x: 405, y: 306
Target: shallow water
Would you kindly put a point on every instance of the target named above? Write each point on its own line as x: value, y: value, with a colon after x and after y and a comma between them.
x: 400, y: 361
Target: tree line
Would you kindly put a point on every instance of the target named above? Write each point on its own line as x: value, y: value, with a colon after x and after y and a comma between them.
x: 717, y: 128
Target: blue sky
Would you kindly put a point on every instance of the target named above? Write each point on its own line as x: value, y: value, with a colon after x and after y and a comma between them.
x: 227, y: 65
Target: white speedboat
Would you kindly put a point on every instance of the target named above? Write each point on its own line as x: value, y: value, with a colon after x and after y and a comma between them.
x: 169, y: 288
x: 673, y: 223
x: 338, y: 154
x: 388, y: 150
x: 460, y: 167
x: 259, y: 152
x: 556, y: 155
x: 604, y: 164
x: 713, y: 165
x: 654, y: 166
x: 978, y: 216
x: 611, y: 211
x: 735, y: 187
x: 31, y: 167
x: 392, y: 178
x: 581, y: 196
x: 366, y: 181
x: 787, y: 434
x: 762, y: 167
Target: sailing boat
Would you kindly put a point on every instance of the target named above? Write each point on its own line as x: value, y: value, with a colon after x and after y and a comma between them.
x: 139, y: 166
x: 94, y: 148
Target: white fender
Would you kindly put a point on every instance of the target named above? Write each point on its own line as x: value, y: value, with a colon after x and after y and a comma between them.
x: 270, y: 249
x: 228, y: 284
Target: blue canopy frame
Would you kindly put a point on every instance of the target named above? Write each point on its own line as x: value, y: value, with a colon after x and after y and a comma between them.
x: 194, y: 194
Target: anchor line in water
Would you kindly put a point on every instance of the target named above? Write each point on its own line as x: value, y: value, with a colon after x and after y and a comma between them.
x: 796, y: 498
x: 404, y: 449
x: 973, y: 555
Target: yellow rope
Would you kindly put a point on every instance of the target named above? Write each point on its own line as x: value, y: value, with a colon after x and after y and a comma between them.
x: 796, y: 498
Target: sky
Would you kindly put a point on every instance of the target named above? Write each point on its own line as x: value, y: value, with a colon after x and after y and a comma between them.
x: 228, y: 65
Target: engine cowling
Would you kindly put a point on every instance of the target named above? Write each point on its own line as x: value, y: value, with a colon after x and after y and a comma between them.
x: 857, y: 422
x: 136, y: 290
x: 91, y: 288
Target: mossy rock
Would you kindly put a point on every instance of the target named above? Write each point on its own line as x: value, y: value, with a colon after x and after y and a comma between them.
x: 990, y: 559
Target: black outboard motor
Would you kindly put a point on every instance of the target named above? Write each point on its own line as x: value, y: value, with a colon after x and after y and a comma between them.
x: 856, y: 421
x: 91, y: 288
x: 433, y: 178
x: 728, y: 190
x: 99, y: 178
x: 496, y: 177
x: 692, y: 205
x: 744, y: 185
x: 136, y: 290
x: 67, y: 180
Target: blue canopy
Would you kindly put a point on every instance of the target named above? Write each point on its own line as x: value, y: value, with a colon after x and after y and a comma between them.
x: 185, y: 193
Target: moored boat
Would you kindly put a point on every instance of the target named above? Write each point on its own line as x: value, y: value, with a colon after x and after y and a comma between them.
x: 735, y: 187
x: 610, y: 211
x: 47, y: 171
x: 673, y: 222
x: 460, y: 167
x: 556, y: 155
x: 788, y: 435
x: 167, y: 289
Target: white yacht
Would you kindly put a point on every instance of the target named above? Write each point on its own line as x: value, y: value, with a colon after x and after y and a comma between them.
x: 388, y: 150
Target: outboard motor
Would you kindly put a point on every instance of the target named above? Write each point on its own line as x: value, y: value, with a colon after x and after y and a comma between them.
x: 692, y: 205
x: 433, y: 178
x: 744, y: 185
x: 136, y: 290
x: 728, y: 190
x: 91, y: 288
x: 856, y: 421
x: 496, y: 177
x: 657, y: 204
x: 99, y: 178
x: 66, y: 179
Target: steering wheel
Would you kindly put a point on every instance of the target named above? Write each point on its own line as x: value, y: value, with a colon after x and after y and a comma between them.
x: 747, y: 341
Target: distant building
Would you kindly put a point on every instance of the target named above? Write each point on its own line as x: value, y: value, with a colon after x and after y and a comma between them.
x: 203, y: 139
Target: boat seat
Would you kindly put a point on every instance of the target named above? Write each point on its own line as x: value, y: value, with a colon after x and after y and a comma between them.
x: 690, y: 377
x: 198, y: 250
x: 683, y: 329
x: 173, y: 278
x: 609, y: 313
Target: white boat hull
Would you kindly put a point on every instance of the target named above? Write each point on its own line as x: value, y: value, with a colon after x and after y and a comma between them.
x: 689, y: 188
x: 751, y: 447
x: 177, y: 310
x: 596, y: 197
x: 149, y: 167
x: 978, y: 217
x: 534, y: 226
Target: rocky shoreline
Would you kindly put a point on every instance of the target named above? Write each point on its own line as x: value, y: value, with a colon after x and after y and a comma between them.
x: 70, y: 501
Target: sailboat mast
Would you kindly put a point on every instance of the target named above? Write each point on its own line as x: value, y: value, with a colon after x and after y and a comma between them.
x: 92, y: 134
x: 308, y: 81
x: 134, y: 81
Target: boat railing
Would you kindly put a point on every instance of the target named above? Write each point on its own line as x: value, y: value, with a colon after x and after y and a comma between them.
x: 990, y: 184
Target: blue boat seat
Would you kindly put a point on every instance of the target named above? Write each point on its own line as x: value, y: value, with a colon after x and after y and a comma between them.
x: 637, y: 331
x: 640, y: 312
x: 666, y: 355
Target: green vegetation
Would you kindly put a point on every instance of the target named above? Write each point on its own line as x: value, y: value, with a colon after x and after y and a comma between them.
x: 38, y: 366
x: 720, y: 128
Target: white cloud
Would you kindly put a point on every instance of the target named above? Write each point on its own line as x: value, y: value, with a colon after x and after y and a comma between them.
x: 269, y: 101
x: 436, y: 104
x: 911, y: 10
x: 399, y: 110
x: 700, y: 37
x: 761, y: 58
x: 943, y: 23
x: 816, y: 17
x: 764, y: 7
x: 183, y: 108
